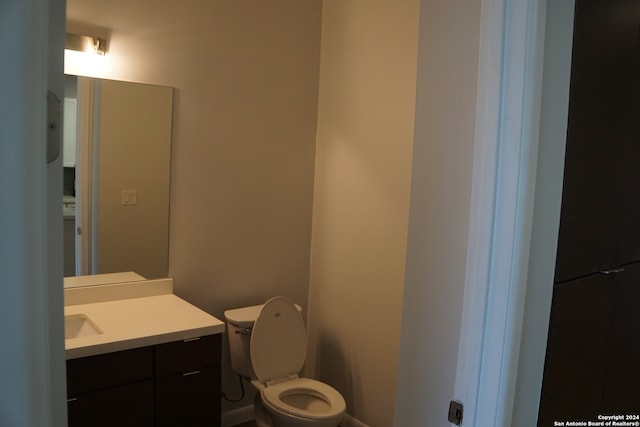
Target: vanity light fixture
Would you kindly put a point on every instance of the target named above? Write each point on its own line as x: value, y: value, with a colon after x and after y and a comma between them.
x: 87, y: 44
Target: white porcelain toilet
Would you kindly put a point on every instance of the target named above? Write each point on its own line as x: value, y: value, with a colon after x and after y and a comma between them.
x: 268, y: 344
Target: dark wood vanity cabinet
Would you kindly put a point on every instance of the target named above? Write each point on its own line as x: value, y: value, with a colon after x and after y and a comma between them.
x: 187, y: 382
x: 171, y: 384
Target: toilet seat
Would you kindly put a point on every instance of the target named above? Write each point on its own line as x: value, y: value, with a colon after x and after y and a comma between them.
x: 305, y: 398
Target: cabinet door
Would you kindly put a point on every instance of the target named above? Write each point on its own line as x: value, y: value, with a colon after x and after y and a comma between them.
x: 188, y: 382
x: 191, y: 399
x: 627, y: 109
x: 622, y: 390
x: 599, y: 226
x: 125, y: 406
x: 577, y: 349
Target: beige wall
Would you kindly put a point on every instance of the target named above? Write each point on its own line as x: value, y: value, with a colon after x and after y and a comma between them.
x: 361, y: 202
x: 245, y: 109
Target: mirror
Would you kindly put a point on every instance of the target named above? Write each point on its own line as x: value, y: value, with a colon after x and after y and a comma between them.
x: 116, y: 150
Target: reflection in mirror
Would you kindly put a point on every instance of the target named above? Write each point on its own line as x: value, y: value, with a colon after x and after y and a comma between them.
x: 102, y: 279
x: 117, y: 144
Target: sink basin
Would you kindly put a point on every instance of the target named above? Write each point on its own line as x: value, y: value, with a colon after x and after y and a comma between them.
x: 79, y: 325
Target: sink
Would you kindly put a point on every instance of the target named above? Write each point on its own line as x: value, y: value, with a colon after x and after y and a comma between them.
x: 79, y: 325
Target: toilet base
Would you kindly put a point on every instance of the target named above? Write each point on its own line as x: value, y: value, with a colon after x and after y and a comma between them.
x: 263, y: 419
x: 278, y: 419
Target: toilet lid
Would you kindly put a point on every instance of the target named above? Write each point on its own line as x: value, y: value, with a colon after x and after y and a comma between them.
x: 278, y: 341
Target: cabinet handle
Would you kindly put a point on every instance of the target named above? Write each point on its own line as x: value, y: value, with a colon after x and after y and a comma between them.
x: 612, y: 271
x: 191, y: 373
x: 191, y: 339
x: 73, y: 399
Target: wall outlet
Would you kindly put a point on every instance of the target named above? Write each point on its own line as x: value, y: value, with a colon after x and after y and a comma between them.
x: 129, y: 198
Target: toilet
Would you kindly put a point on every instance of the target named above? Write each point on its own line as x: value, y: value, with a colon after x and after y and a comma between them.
x: 268, y: 344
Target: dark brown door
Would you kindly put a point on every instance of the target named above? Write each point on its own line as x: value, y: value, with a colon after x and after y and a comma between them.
x: 592, y: 364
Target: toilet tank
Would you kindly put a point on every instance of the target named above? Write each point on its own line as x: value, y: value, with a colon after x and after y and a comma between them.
x: 239, y: 324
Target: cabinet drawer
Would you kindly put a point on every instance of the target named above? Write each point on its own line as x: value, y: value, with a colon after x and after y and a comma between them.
x: 188, y: 355
x: 189, y: 400
x: 109, y: 370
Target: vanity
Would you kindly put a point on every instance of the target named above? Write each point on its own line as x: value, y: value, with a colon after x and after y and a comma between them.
x: 138, y: 355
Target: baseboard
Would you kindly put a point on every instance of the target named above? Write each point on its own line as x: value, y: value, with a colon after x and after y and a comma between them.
x: 349, y: 421
x: 238, y: 416
x: 244, y: 414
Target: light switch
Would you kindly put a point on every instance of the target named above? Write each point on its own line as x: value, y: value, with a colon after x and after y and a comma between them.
x: 128, y: 198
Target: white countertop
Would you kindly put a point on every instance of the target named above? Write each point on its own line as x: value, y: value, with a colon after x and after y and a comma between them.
x: 139, y: 322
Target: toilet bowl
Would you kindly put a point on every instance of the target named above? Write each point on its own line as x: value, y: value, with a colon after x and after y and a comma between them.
x: 268, y: 344
x: 303, y: 402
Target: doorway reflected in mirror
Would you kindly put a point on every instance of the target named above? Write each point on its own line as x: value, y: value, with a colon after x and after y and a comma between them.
x: 117, y: 149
